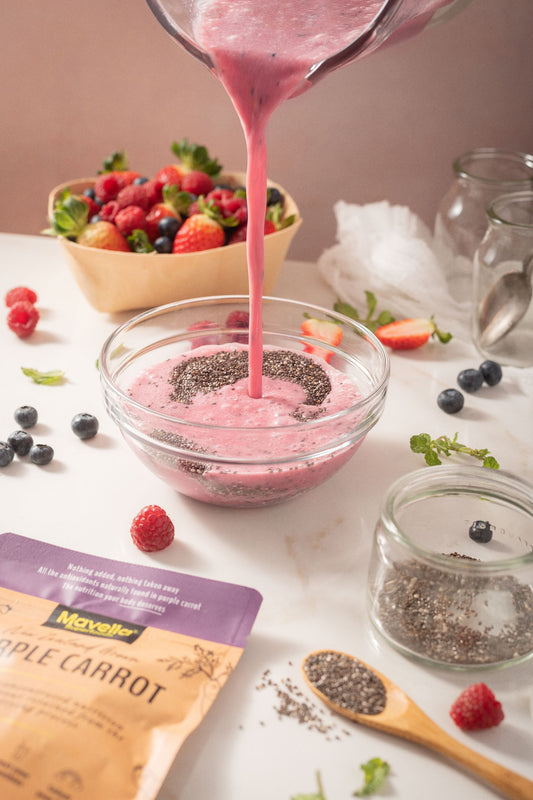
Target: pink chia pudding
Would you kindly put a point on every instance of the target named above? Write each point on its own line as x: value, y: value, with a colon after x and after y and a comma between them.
x: 242, y: 450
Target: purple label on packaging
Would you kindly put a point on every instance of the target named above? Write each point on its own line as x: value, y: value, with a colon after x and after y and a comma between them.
x: 200, y: 607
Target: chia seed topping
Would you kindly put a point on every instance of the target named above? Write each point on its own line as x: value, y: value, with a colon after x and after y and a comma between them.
x: 204, y: 374
x: 346, y: 682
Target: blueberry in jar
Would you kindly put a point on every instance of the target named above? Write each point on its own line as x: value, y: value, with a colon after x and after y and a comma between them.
x: 451, y: 401
x: 480, y: 531
x: 470, y: 380
x: 85, y: 426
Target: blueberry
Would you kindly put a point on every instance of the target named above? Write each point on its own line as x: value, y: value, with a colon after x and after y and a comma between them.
x: 480, y: 531
x: 470, y: 380
x: 139, y: 181
x: 41, y: 454
x: 6, y: 454
x: 451, y: 401
x: 168, y: 226
x: 26, y: 416
x: 163, y: 244
x: 21, y: 442
x: 89, y: 192
x: 95, y: 218
x: 85, y: 426
x: 274, y: 196
x: 491, y: 371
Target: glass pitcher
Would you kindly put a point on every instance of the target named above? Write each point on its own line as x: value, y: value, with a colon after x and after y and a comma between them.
x: 366, y: 24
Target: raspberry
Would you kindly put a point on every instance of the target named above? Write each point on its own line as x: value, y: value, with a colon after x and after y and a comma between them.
x: 109, y: 210
x: 22, y: 318
x: 152, y: 529
x: 133, y: 195
x: 20, y: 293
x: 476, y: 708
x: 107, y: 186
x: 130, y: 219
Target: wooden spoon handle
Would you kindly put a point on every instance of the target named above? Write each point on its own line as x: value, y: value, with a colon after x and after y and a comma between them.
x: 509, y: 783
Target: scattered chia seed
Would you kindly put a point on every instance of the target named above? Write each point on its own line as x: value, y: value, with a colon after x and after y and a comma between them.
x: 346, y: 682
x: 446, y: 616
x: 204, y: 374
x: 292, y: 703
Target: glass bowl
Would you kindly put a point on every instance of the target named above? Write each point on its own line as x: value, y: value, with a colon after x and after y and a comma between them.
x: 249, y: 465
x: 451, y: 574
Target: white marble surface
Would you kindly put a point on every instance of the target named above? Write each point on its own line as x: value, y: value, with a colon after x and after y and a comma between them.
x: 307, y: 557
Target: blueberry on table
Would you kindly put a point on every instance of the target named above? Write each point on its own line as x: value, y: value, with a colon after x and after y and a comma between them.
x: 21, y: 442
x: 480, y: 531
x: 85, y: 426
x: 26, y: 416
x: 41, y: 454
x: 491, y: 371
x: 6, y: 454
x: 451, y: 401
x: 470, y: 380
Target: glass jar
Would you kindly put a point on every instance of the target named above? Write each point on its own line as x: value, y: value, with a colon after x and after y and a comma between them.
x: 479, y: 176
x: 503, y: 267
x: 447, y: 592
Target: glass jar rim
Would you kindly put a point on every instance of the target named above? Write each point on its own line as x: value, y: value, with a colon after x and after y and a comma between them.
x: 437, y: 481
x: 485, y: 155
x: 496, y: 214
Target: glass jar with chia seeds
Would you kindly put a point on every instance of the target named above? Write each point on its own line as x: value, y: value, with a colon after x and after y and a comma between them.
x: 451, y: 574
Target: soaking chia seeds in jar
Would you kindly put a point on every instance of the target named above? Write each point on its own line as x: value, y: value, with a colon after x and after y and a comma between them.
x: 459, y: 619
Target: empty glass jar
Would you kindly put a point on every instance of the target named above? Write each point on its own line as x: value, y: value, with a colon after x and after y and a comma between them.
x: 503, y: 268
x: 480, y: 175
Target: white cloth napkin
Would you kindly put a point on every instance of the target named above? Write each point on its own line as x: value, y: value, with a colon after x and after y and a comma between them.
x: 389, y: 251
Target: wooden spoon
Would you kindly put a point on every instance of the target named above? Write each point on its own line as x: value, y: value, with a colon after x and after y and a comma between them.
x: 400, y: 716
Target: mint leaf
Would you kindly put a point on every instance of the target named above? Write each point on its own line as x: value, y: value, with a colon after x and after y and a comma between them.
x: 52, y: 378
x: 376, y: 771
x: 314, y: 795
x: 383, y: 318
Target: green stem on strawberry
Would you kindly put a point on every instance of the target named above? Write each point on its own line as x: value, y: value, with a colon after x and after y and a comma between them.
x: 194, y: 156
x: 275, y: 215
x: 176, y: 199
x: 69, y: 218
x: 117, y: 161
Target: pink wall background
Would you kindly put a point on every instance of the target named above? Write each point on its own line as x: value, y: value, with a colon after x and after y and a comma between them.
x: 81, y: 79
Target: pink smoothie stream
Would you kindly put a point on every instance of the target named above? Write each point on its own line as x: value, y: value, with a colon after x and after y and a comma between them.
x: 262, y: 52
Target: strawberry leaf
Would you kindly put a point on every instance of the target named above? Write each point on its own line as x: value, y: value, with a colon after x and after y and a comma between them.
x: 139, y: 242
x: 195, y: 156
x: 116, y: 162
x: 69, y: 218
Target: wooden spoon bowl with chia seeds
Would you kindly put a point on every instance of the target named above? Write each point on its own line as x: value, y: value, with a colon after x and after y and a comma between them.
x: 350, y: 687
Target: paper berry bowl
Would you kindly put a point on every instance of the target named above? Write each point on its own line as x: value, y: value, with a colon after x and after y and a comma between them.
x: 114, y: 281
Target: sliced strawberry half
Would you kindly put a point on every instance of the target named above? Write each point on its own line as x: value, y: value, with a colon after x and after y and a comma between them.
x: 325, y: 331
x: 408, y: 334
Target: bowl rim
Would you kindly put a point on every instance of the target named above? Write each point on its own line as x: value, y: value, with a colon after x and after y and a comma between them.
x: 375, y: 397
x: 455, y: 479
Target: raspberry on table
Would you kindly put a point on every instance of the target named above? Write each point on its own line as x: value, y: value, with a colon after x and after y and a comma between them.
x: 476, y: 708
x: 22, y: 318
x: 152, y: 529
x: 20, y: 293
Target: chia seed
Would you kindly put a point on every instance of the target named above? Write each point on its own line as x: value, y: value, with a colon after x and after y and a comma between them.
x: 204, y: 374
x: 445, y: 616
x: 346, y: 682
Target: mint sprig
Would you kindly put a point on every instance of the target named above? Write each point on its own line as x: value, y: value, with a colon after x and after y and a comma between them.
x: 52, y: 378
x: 314, y: 795
x: 376, y: 771
x: 369, y: 321
x: 432, y: 449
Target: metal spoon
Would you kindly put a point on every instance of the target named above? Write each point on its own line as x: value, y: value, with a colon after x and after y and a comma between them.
x: 506, y: 303
x: 402, y: 717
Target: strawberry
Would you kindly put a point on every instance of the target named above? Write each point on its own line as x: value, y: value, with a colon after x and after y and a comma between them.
x: 92, y: 205
x: 22, y: 318
x: 152, y: 529
x: 170, y: 175
x: 175, y: 204
x: 239, y: 235
x: 408, y: 334
x: 476, y: 708
x: 325, y: 331
x: 103, y: 235
x: 199, y: 232
x: 130, y: 219
x: 196, y: 182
